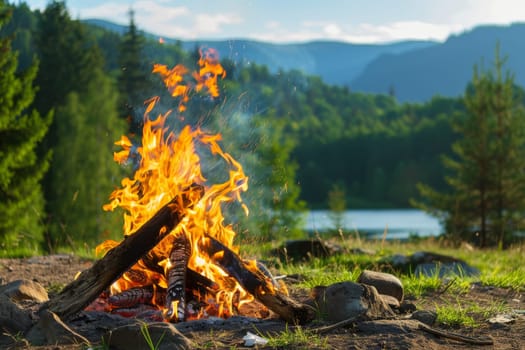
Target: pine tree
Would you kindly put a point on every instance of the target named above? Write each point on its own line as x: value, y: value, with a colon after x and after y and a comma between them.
x: 487, y: 172
x: 21, y: 129
x: 280, y: 192
x: 134, y: 80
x: 67, y: 56
x: 82, y: 172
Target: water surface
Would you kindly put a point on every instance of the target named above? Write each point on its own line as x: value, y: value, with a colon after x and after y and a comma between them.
x: 399, y: 223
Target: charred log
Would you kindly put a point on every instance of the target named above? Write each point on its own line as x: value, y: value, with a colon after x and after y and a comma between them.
x: 176, y: 274
x: 256, y: 283
x: 131, y: 297
x: 93, y: 281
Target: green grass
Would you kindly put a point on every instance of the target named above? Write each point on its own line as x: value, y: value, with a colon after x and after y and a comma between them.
x: 499, y: 268
x: 298, y: 338
x: 467, y: 314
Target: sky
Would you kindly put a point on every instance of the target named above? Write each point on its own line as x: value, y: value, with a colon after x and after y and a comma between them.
x: 292, y: 21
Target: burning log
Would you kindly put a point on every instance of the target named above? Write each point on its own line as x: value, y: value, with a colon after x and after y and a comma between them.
x: 92, y: 282
x: 176, y: 293
x: 131, y: 297
x: 256, y: 283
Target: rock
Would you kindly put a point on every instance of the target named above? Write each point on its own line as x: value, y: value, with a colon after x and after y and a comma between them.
x: 385, y: 283
x: 502, y: 319
x: 133, y: 336
x: 424, y: 316
x: 424, y: 263
x: 12, y: 317
x: 391, y: 301
x: 362, y: 251
x: 304, y: 249
x: 344, y: 300
x: 51, y: 330
x: 25, y: 290
x: 442, y: 270
x: 407, y: 307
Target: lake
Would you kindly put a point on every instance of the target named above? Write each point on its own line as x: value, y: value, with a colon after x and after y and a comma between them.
x: 400, y: 223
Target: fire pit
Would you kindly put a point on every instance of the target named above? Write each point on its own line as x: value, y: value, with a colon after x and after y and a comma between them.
x: 177, y: 261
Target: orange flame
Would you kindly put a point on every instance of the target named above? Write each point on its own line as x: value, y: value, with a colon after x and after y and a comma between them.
x: 170, y: 162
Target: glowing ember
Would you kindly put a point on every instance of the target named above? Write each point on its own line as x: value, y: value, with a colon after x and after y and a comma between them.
x: 169, y: 163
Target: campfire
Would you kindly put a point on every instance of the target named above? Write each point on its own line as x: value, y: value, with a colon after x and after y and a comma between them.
x: 178, y: 260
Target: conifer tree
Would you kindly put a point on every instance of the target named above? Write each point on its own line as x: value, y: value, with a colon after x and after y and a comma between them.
x: 135, y: 76
x: 487, y: 172
x: 21, y: 129
x: 82, y: 172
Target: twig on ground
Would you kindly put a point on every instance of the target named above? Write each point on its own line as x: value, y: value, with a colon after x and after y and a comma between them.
x: 326, y: 329
x: 455, y: 336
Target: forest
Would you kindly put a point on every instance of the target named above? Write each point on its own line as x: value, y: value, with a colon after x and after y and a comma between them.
x: 72, y: 89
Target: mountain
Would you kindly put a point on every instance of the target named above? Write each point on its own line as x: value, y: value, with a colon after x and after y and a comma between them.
x: 444, y: 69
x: 335, y: 62
x: 414, y: 71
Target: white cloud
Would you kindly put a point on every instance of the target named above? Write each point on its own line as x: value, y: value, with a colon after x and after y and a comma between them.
x: 211, y: 24
x: 161, y: 18
x: 407, y: 29
x: 108, y: 11
x: 362, y: 33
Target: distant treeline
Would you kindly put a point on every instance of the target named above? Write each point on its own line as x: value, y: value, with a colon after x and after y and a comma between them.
x: 299, y: 137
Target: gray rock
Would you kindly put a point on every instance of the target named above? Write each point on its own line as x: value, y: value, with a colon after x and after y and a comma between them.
x: 25, y: 290
x: 385, y: 283
x: 133, y: 336
x: 13, y: 318
x: 443, y: 270
x: 424, y: 316
x: 344, y: 300
x: 391, y: 301
x: 51, y: 330
x: 361, y: 251
x: 424, y: 263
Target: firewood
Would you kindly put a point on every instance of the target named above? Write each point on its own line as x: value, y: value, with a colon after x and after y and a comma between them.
x: 176, y: 275
x: 200, y: 284
x: 132, y: 297
x: 91, y: 282
x: 256, y: 283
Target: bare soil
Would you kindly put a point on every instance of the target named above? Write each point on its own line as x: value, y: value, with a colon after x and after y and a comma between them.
x: 54, y: 272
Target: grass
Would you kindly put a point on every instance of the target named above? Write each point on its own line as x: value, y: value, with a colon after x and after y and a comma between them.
x: 298, y: 338
x: 498, y: 268
x: 467, y: 314
x: 147, y: 337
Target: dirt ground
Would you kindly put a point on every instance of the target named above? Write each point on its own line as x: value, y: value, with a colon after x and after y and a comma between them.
x: 54, y: 272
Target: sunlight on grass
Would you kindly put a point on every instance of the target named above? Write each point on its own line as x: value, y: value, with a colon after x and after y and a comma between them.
x: 471, y: 314
x: 454, y: 316
x: 298, y: 338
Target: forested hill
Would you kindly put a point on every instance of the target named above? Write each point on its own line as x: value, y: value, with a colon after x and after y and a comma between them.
x: 335, y: 62
x: 414, y: 71
x: 444, y: 69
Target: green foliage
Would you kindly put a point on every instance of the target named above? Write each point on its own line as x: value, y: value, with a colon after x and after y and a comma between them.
x: 282, y: 215
x: 337, y: 205
x: 82, y: 173
x: 21, y: 130
x: 67, y: 54
x: 134, y: 79
x: 487, y: 173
